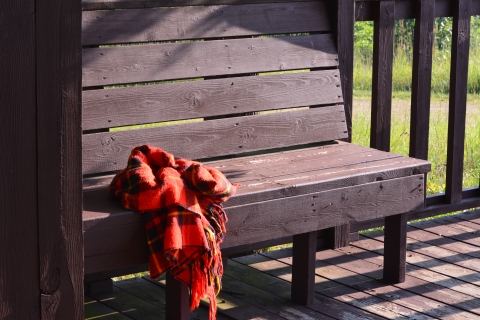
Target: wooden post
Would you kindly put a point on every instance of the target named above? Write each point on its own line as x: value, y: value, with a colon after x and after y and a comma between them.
x: 458, y: 99
x: 382, y: 74
x: 422, y: 78
x: 19, y: 289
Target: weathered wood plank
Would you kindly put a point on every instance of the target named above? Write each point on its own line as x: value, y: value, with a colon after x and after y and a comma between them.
x: 161, y: 24
x: 58, y: 49
x: 169, y: 61
x: 301, y: 214
x: 437, y: 240
x: 19, y: 276
x: 421, y: 79
x: 131, y: 4
x: 382, y: 75
x: 198, y: 99
x: 177, y: 299
x: 420, y: 295
x: 275, y: 277
x: 458, y: 100
x: 365, y: 301
x: 245, y: 221
x: 94, y: 310
x: 129, y: 305
x: 423, y: 272
x: 109, y: 151
x: 259, y: 187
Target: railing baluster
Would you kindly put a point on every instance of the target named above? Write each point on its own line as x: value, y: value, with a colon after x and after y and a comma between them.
x: 458, y: 99
x: 345, y: 39
x: 382, y: 75
x: 421, y: 78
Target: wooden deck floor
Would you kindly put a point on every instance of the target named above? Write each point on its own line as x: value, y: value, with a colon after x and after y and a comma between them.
x: 443, y: 282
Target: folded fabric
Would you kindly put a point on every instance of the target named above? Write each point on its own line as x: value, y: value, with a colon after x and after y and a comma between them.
x: 184, y: 220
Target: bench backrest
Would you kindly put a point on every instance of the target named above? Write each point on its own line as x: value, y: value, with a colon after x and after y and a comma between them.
x: 239, y: 78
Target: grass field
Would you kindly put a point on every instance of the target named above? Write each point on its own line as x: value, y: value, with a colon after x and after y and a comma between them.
x: 438, y: 135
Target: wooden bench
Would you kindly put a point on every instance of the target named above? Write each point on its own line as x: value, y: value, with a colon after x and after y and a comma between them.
x: 257, y: 90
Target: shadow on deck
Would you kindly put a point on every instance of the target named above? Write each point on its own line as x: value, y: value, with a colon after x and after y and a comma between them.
x: 443, y: 281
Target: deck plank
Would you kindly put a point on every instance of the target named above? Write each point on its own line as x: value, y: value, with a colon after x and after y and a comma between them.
x: 442, y: 282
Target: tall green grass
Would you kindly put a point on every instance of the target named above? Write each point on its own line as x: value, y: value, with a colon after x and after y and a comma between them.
x: 402, y: 84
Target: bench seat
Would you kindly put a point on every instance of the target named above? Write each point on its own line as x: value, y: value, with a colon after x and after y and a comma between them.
x: 281, y: 194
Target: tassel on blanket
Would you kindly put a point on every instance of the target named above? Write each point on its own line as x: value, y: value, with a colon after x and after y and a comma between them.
x: 184, y: 220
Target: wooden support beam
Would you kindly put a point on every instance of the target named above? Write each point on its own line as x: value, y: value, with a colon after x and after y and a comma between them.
x: 382, y: 75
x: 303, y: 267
x: 394, y: 264
x: 458, y: 100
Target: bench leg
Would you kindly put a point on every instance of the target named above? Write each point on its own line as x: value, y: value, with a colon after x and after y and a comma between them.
x: 339, y: 236
x: 303, y: 267
x: 177, y: 299
x: 395, y: 252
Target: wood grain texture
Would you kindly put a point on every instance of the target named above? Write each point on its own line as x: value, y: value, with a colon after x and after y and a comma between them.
x: 458, y: 100
x: 132, y: 4
x: 382, y: 75
x: 199, y: 99
x: 335, y: 207
x: 160, y: 24
x: 19, y: 280
x: 421, y: 79
x: 109, y: 151
x: 169, y: 61
x: 287, y: 174
x: 345, y: 41
x: 59, y: 158
x: 294, y: 215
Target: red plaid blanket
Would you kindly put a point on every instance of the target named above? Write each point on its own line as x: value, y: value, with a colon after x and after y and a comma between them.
x: 185, y: 222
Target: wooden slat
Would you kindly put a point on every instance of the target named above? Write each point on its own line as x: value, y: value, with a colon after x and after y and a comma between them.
x: 19, y: 276
x: 382, y: 75
x: 132, y: 4
x: 336, y: 283
x: 128, y: 246
x: 424, y: 296
x: 146, y: 25
x: 198, y: 99
x: 109, y: 151
x: 421, y: 79
x: 168, y: 61
x: 345, y: 42
x: 458, y: 100
x: 59, y: 158
x: 341, y: 172
x: 301, y: 214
